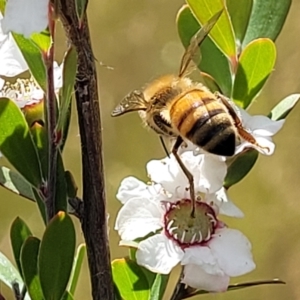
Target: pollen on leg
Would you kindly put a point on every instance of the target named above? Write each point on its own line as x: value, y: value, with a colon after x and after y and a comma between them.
x: 187, y: 230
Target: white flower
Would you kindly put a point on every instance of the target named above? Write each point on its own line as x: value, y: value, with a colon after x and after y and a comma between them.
x: 12, y: 62
x: 26, y: 92
x: 203, y: 245
x: 224, y: 204
x: 25, y: 17
x: 23, y: 92
x: 262, y: 129
x: 208, y: 171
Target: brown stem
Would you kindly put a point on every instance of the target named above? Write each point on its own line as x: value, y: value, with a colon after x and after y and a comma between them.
x: 94, y: 225
x: 181, y: 291
x: 51, y: 124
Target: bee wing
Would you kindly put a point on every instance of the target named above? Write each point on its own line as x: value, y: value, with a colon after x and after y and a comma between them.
x: 196, y: 41
x: 132, y: 102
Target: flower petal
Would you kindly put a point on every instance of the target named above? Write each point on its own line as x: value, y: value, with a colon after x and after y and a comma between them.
x: 168, y: 173
x: 224, y: 204
x: 261, y: 125
x: 131, y: 187
x: 208, y: 170
x: 211, y: 172
x: 18, y: 17
x: 202, y: 256
x: 265, y: 145
x: 158, y: 254
x: 12, y: 62
x: 58, y: 76
x: 137, y: 218
x: 233, y: 251
x: 197, y: 278
x: 261, y: 128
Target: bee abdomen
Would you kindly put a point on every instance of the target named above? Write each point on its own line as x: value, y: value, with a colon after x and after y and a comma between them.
x: 214, y: 133
x: 205, y: 122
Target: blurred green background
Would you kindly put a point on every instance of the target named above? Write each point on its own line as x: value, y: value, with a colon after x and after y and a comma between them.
x: 134, y: 42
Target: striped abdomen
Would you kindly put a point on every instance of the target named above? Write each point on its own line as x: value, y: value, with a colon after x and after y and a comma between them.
x: 202, y: 119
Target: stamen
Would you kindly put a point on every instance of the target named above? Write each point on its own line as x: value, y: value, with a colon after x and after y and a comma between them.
x: 172, y: 229
x: 193, y: 238
x: 170, y: 224
x: 200, y: 236
x: 183, y: 236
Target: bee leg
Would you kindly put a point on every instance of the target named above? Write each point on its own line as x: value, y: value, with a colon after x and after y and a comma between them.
x: 238, y: 123
x: 186, y: 172
x: 164, y: 145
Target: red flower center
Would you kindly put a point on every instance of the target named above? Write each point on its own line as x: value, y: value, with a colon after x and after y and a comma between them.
x: 186, y: 230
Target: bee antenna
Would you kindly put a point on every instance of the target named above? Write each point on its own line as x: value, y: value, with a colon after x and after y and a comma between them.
x: 164, y: 146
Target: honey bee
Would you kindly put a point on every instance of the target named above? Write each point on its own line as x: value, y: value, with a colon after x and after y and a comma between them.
x: 175, y: 106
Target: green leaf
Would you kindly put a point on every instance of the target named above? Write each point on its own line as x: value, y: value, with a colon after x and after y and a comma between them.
x: 72, y: 188
x: 239, y: 286
x: 130, y: 279
x: 239, y: 11
x: 19, y: 232
x: 284, y: 107
x: 187, y: 26
x: 42, y: 40
x: 80, y: 6
x: 159, y: 286
x: 34, y: 113
x: 69, y: 75
x: 56, y: 256
x: 240, y: 167
x: 2, y: 6
x: 8, y: 272
x: 41, y: 205
x: 222, y: 33
x: 254, y: 67
x: 16, y: 183
x: 81, y: 250
x: 61, y: 186
x: 33, y: 57
x: 29, y: 261
x: 16, y: 143
x: 210, y: 82
x: 243, y: 285
x: 40, y: 138
x: 117, y: 295
x: 267, y: 19
x: 67, y: 296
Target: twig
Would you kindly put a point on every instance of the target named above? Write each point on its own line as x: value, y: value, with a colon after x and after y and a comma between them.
x: 181, y: 290
x: 94, y: 225
x: 51, y: 125
x: 77, y: 207
x: 16, y: 289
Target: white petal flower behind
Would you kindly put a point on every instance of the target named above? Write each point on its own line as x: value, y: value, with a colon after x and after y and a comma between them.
x: 18, y: 16
x: 262, y: 129
x: 12, y: 62
x: 26, y: 92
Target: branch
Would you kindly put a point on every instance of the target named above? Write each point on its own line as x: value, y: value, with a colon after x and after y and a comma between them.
x: 51, y: 124
x: 94, y: 225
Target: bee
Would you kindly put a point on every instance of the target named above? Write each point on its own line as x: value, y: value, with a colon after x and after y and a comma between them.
x: 175, y: 106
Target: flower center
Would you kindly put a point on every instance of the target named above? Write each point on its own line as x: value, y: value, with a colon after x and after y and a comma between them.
x: 186, y: 230
x: 23, y: 90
